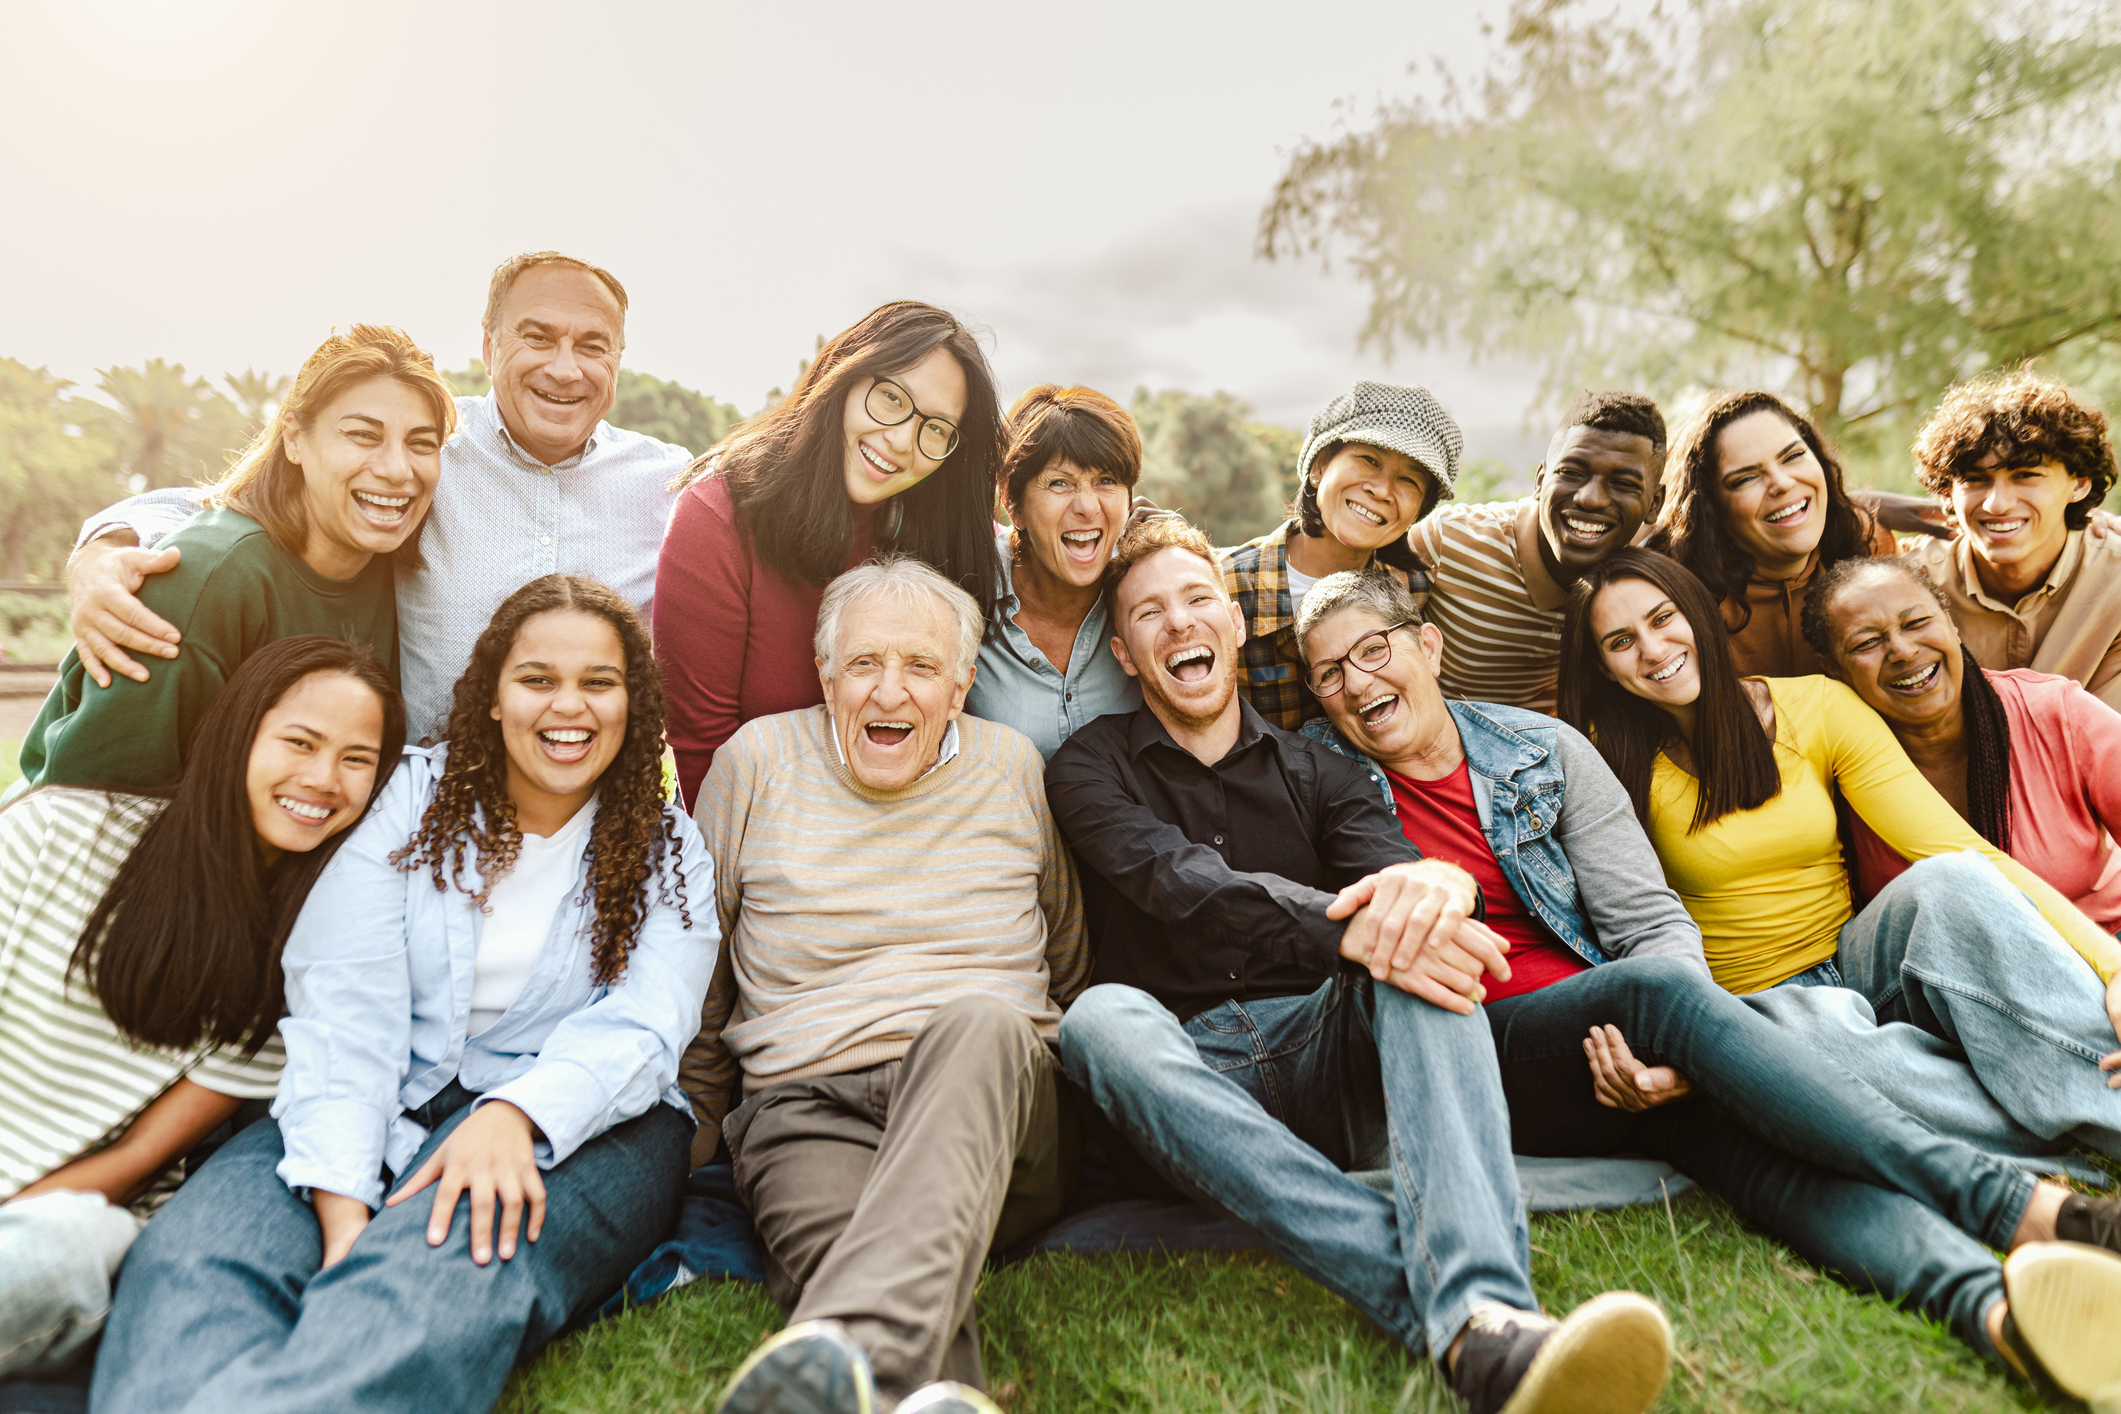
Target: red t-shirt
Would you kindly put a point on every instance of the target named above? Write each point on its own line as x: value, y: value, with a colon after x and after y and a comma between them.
x: 1440, y: 819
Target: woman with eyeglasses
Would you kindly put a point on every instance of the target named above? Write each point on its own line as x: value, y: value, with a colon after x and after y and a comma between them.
x: 890, y: 441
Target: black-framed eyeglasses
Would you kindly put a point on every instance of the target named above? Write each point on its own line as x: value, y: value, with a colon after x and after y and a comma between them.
x: 1371, y: 652
x: 888, y: 405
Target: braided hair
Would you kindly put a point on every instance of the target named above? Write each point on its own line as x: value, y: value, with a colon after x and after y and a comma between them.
x: 1988, y: 728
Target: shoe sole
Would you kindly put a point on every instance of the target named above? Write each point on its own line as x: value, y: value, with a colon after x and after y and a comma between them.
x: 798, y: 1384
x: 2066, y: 1300
x: 1611, y: 1356
x: 948, y: 1397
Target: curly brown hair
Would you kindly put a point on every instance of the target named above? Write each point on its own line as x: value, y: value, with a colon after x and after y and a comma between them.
x: 2027, y: 420
x: 635, y: 829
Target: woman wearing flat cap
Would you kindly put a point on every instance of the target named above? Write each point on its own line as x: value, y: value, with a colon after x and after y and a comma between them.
x: 1378, y: 458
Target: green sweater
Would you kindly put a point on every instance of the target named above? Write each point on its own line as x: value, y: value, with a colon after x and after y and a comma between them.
x: 232, y: 593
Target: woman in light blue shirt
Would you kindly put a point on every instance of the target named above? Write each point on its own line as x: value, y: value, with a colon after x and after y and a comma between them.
x: 489, y: 995
x: 1046, y: 667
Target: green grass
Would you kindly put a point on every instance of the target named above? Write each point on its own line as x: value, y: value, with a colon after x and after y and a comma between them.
x: 1757, y: 1330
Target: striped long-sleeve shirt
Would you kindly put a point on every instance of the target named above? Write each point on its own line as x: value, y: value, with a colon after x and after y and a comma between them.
x: 1499, y: 609
x: 851, y: 914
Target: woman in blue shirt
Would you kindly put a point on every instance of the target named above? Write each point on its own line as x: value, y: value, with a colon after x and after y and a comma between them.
x: 489, y: 992
x: 1068, y: 477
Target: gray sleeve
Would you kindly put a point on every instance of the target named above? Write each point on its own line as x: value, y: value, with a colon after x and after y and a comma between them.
x: 154, y: 516
x: 1629, y: 905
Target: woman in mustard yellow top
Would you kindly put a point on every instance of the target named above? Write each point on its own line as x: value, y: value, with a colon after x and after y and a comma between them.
x: 1735, y: 781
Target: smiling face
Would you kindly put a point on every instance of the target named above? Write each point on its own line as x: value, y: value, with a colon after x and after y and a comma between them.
x: 893, y: 687
x: 1595, y: 490
x: 1370, y: 496
x: 1177, y: 631
x: 562, y: 709
x: 554, y: 359
x: 369, y: 462
x: 1771, y: 491
x: 1895, y: 647
x: 1392, y: 712
x: 1069, y: 519
x: 883, y: 461
x: 313, y: 763
x: 1645, y: 644
x: 2014, y: 515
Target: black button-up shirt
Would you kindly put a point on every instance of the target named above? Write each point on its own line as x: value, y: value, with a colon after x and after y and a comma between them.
x: 1203, y: 883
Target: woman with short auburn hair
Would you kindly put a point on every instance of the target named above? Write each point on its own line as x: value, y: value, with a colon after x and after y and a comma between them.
x: 890, y: 440
x: 1755, y: 505
x: 1067, y: 481
x: 302, y: 536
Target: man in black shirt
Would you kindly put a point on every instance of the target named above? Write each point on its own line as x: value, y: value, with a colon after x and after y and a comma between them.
x: 1284, y: 991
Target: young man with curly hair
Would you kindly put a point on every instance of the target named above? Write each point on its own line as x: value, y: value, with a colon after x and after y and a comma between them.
x: 2021, y: 464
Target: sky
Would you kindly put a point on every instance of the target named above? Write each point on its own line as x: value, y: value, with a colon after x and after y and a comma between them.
x: 220, y: 182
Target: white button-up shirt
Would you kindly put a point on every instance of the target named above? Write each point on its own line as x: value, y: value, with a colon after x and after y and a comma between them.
x: 500, y: 519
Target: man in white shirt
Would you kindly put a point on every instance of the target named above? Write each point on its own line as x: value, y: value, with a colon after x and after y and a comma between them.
x: 534, y: 483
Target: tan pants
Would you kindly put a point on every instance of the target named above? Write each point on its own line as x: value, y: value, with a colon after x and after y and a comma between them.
x: 878, y: 1194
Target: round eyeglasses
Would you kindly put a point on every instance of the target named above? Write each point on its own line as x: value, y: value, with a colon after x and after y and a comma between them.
x: 1371, y: 652
x: 888, y: 405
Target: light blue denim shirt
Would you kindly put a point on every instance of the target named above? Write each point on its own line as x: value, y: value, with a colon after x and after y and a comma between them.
x: 379, y: 972
x: 1018, y: 686
x: 1563, y: 830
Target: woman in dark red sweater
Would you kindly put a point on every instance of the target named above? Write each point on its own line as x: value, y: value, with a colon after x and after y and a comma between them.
x: 890, y: 441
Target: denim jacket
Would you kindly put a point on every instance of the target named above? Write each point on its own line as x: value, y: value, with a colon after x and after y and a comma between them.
x: 1562, y: 829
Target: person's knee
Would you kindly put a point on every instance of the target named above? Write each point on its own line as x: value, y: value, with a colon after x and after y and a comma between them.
x: 1106, y: 1015
x: 1962, y: 877
x: 984, y: 1022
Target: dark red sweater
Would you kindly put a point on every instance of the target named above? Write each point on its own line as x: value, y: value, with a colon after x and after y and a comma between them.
x: 732, y: 635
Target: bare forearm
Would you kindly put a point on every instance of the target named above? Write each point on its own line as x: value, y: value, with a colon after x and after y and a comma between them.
x: 165, y: 1131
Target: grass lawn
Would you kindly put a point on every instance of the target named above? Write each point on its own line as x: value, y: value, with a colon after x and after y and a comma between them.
x: 1757, y: 1330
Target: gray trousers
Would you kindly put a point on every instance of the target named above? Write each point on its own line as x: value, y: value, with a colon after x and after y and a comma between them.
x: 878, y: 1193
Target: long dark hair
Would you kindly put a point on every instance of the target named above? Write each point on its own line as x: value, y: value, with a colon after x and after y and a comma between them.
x: 472, y: 819
x: 1734, y: 760
x: 786, y: 468
x: 1988, y: 727
x: 184, y: 947
x: 1691, y: 530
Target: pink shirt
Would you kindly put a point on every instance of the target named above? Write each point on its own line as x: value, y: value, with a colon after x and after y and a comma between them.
x: 2065, y: 795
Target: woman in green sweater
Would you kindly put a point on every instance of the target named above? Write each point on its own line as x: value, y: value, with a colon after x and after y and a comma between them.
x: 299, y: 537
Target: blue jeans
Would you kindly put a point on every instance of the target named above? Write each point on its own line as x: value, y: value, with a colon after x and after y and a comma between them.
x: 1255, y: 1110
x: 1788, y: 1139
x: 221, y: 1307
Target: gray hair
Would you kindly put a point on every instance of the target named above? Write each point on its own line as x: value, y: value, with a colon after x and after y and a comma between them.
x: 1374, y: 589
x: 903, y: 581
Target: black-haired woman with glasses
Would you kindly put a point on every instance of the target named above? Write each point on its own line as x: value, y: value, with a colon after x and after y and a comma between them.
x: 890, y: 441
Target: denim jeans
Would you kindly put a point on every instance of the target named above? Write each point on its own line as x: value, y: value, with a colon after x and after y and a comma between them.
x: 1256, y: 1108
x: 222, y: 1307
x: 1791, y: 1141
x: 59, y: 1254
x: 1952, y: 948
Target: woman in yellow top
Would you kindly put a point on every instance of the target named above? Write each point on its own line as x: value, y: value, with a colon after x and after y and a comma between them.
x: 1735, y: 780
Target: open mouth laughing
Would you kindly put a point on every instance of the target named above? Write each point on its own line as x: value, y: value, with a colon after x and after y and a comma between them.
x: 1669, y: 670
x: 566, y: 745
x: 1791, y: 514
x: 1366, y: 515
x: 304, y: 811
x: 1378, y: 709
x: 384, y: 512
x: 876, y: 463
x: 1081, y: 545
x: 887, y: 734
x: 1190, y: 665
x: 1916, y: 683
x: 1997, y: 529
x: 1583, y: 531
x: 556, y: 400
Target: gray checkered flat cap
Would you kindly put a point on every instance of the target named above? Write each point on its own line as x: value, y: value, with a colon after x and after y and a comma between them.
x: 1393, y: 416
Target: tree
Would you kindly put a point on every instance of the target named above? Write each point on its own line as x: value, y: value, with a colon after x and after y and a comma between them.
x: 52, y: 473
x: 1858, y: 201
x: 1201, y: 456
x: 168, y: 429
x: 258, y: 396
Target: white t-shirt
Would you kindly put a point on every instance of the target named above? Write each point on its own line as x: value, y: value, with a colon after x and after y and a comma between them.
x: 1300, y: 584
x: 519, y: 917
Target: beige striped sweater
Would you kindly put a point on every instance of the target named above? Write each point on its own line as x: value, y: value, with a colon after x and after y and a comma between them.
x: 851, y: 914
x: 1499, y: 609
x: 69, y: 1083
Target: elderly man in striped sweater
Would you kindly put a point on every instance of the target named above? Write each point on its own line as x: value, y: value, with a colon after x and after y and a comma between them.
x: 903, y: 926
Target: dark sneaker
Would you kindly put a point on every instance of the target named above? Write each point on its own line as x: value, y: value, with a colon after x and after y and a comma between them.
x: 2096, y: 1222
x: 947, y: 1397
x: 2065, y: 1310
x: 810, y: 1368
x: 1611, y: 1356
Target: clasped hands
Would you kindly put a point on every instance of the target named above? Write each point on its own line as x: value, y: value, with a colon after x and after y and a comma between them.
x: 492, y: 1156
x: 1411, y: 925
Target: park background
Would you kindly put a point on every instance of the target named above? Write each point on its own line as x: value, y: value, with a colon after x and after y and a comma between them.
x: 1220, y: 214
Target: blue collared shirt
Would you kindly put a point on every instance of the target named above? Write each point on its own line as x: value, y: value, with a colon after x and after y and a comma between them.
x: 379, y: 978
x: 1019, y: 687
x: 500, y: 519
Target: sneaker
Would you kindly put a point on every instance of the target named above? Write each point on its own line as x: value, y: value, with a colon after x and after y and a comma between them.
x: 948, y: 1397
x: 813, y: 1367
x: 2065, y: 1305
x: 1611, y: 1356
x: 2096, y: 1222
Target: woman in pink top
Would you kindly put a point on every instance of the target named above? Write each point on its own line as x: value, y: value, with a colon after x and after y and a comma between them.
x: 890, y: 441
x: 2032, y: 761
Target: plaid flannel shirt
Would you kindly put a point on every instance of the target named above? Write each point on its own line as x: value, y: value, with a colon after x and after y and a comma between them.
x: 1256, y: 575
